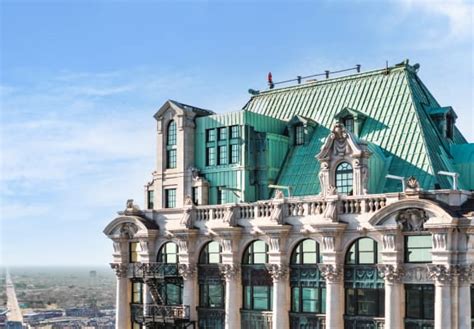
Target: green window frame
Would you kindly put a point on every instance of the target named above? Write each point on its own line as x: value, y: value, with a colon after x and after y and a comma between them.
x: 222, y: 154
x: 134, y: 249
x: 365, y: 302
x: 211, y: 253
x: 211, y: 295
x: 343, y: 177
x: 299, y: 134
x: 168, y: 253
x: 234, y: 153
x: 418, y: 248
x: 363, y: 251
x: 171, y: 133
x: 308, y: 299
x: 172, y: 293
x: 348, y: 123
x: 137, y: 292
x: 256, y: 253
x: 210, y: 156
x: 234, y: 132
x: 222, y: 133
x: 221, y: 195
x: 258, y: 298
x: 210, y: 135
x: 150, y: 199
x: 419, y: 301
x: 170, y: 198
x: 171, y: 158
x: 306, y: 252
x: 171, y: 151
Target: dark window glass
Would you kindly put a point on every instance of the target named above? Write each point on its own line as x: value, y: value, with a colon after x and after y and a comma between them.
x: 170, y: 198
x: 472, y: 302
x: 210, y: 156
x: 418, y: 249
x: 258, y: 298
x: 171, y: 137
x: 134, y: 250
x: 344, y: 178
x: 195, y: 195
x: 222, y: 154
x: 221, y: 195
x: 419, y: 300
x: 307, y: 252
x: 212, y: 295
x: 222, y: 133
x: 151, y: 198
x: 173, y: 293
x: 137, y: 292
x: 210, y: 135
x: 234, y: 132
x: 234, y: 153
x: 256, y: 253
x: 171, y: 156
x: 365, y: 302
x: 168, y: 253
x: 299, y: 135
x: 449, y: 127
x: 362, y: 251
x: 349, y: 124
x: 211, y: 254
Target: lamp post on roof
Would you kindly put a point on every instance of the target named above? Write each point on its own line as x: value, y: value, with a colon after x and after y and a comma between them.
x: 454, y: 176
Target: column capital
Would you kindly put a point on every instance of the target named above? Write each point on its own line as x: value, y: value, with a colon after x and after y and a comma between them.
x: 277, y: 271
x: 464, y: 273
x: 391, y: 273
x: 441, y: 274
x: 187, y: 271
x: 332, y: 273
x: 120, y: 269
x: 229, y: 271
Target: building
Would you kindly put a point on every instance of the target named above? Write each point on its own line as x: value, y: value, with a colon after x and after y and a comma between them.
x: 328, y: 204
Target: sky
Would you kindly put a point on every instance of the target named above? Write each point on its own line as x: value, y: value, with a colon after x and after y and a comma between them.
x: 81, y: 80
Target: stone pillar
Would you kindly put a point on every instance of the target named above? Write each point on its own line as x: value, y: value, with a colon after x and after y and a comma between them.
x: 464, y: 297
x: 122, y: 304
x: 190, y: 289
x: 442, y: 276
x: 279, y: 273
x: 233, y: 295
x: 394, y: 296
x: 334, y: 295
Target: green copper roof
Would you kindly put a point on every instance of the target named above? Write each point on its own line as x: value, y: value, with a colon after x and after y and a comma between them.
x: 397, y: 124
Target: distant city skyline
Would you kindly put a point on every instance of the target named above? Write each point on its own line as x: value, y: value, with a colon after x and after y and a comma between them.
x: 81, y: 81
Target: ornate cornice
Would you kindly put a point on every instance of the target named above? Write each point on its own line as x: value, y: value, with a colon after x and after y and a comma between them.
x: 332, y: 273
x: 187, y: 271
x: 229, y: 271
x: 391, y: 273
x: 120, y: 269
x: 277, y: 271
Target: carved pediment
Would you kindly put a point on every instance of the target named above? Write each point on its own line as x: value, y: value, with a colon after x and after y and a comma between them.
x: 341, y: 143
x: 411, y: 220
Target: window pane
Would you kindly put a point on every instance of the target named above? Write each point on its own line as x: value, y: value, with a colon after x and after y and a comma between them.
x: 248, y: 298
x: 309, y: 258
x: 367, y: 302
x: 214, y: 259
x: 310, y: 299
x: 323, y: 300
x: 234, y: 131
x: 210, y: 135
x: 151, y: 197
x: 222, y: 133
x: 259, y: 258
x: 171, y: 140
x: 413, y: 301
x: 215, y: 295
x: 259, y: 246
x: 418, y: 248
x: 261, y: 297
x: 213, y: 246
x: 222, y: 154
x: 350, y: 301
x: 173, y: 294
x: 366, y: 258
x: 295, y: 297
x: 210, y: 156
x: 428, y: 302
x: 344, y: 178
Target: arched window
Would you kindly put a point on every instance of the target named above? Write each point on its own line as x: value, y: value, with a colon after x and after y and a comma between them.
x: 171, y: 291
x: 364, y: 287
x: 308, y: 287
x: 171, y: 151
x: 257, y: 286
x: 344, y: 178
x: 211, y: 311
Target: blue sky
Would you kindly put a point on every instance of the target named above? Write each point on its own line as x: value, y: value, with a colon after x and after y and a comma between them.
x: 81, y: 80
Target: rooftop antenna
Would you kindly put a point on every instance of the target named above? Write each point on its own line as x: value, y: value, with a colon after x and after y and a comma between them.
x: 386, y: 68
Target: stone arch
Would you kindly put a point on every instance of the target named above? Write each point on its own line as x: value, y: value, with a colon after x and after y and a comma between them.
x: 349, y: 242
x: 294, y: 243
x: 247, y: 245
x: 130, y: 227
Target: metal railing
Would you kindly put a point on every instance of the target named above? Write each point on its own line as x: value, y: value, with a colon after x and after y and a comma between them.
x: 363, y: 322
x: 419, y: 324
x: 152, y: 313
x: 256, y: 319
x: 307, y: 321
x: 151, y: 270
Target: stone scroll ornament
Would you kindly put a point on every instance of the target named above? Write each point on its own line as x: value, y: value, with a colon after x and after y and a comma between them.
x: 120, y: 269
x: 187, y: 271
x: 411, y: 220
x: 277, y: 271
x: 391, y: 273
x: 332, y: 273
x: 229, y: 271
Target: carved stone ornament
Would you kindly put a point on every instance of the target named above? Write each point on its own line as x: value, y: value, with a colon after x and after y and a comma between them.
x: 231, y: 215
x: 279, y: 194
x: 274, y: 244
x: 411, y: 220
x: 330, y: 212
x: 277, y: 271
x: 329, y: 243
x: 187, y: 271
x: 464, y: 273
x: 183, y: 246
x: 120, y: 269
x: 412, y: 184
x: 131, y: 208
x: 188, y: 201
x: 440, y: 241
x: 388, y: 242
x: 441, y: 273
x: 128, y: 230
x: 188, y: 217
x: 391, y: 273
x: 332, y: 273
x: 226, y: 245
x: 229, y: 271
x: 416, y: 274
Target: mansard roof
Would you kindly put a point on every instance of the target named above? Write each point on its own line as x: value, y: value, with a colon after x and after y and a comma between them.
x: 397, y: 106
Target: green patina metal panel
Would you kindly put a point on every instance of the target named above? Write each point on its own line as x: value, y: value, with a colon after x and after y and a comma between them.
x: 463, y: 155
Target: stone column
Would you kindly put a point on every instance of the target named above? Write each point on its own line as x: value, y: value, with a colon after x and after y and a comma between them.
x: 122, y: 304
x: 334, y: 295
x: 231, y: 276
x: 394, y: 296
x: 464, y: 296
x: 190, y: 291
x: 442, y: 276
x: 279, y: 273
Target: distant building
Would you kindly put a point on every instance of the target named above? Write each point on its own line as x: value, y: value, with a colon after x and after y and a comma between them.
x: 328, y: 204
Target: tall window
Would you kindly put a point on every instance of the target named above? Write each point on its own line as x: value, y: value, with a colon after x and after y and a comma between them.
x: 210, y: 156
x: 210, y: 135
x: 171, y: 152
x: 234, y: 153
x: 211, y: 285
x: 170, y: 198
x: 171, y: 290
x: 222, y: 133
x: 418, y: 248
x: 364, y: 288
x: 234, y: 132
x: 150, y: 199
x: 419, y: 304
x: 222, y: 154
x: 137, y: 292
x: 134, y: 252
x: 299, y: 135
x: 308, y: 288
x: 221, y: 195
x: 344, y: 178
x: 257, y: 283
x: 348, y: 123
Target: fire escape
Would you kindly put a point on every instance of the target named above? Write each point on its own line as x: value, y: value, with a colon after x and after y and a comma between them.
x: 158, y: 315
